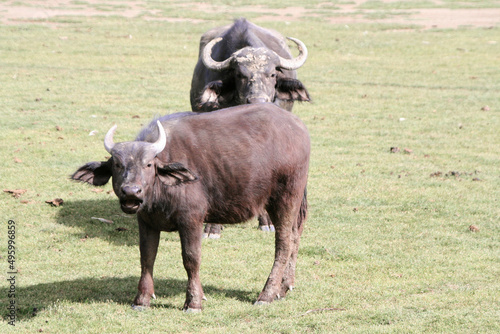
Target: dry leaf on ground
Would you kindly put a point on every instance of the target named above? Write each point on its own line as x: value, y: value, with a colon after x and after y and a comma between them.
x: 16, y: 193
x: 55, y: 202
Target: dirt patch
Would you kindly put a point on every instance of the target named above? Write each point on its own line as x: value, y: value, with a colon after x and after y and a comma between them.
x: 38, y: 11
x: 428, y: 17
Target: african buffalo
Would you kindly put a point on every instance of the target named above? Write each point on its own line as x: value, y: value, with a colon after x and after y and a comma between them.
x: 243, y: 63
x: 225, y: 167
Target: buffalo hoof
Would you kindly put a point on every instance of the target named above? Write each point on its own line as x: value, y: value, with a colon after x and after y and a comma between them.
x: 212, y: 231
x: 139, y: 308
x: 267, y: 228
x: 264, y: 228
x: 211, y: 236
x: 192, y: 310
x: 260, y: 303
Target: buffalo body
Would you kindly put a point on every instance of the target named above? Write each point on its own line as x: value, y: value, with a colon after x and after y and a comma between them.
x: 226, y: 167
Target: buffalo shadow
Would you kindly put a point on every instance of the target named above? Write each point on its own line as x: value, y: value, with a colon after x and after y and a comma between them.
x: 79, y: 213
x: 34, y: 298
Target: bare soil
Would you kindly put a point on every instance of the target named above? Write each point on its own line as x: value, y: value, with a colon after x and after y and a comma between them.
x: 39, y: 11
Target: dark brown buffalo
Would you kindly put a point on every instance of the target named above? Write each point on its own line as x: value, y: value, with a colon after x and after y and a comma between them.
x: 225, y: 167
x: 243, y: 63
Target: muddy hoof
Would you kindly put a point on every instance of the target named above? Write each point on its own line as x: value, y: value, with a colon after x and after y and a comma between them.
x: 139, y: 308
x: 192, y: 310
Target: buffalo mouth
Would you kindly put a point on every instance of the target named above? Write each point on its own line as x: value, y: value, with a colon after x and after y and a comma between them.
x: 130, y: 205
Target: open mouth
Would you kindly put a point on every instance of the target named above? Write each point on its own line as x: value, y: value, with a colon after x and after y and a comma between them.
x: 130, y: 205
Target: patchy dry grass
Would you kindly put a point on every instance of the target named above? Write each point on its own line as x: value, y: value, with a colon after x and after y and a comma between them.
x: 388, y: 245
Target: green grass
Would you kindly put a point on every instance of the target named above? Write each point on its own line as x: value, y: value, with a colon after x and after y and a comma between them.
x: 387, y: 246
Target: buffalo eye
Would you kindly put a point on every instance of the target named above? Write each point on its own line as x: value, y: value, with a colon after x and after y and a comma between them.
x: 149, y: 165
x: 118, y: 165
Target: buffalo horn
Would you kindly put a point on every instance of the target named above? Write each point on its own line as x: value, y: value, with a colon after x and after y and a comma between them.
x: 209, y: 62
x: 159, y: 145
x: 293, y: 64
x: 108, y: 140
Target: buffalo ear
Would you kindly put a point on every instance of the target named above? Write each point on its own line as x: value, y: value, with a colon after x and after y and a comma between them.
x: 174, y: 173
x: 288, y: 89
x: 209, y: 99
x: 215, y: 95
x: 96, y: 173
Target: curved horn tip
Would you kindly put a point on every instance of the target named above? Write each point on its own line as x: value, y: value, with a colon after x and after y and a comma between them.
x: 161, y: 129
x: 209, y: 62
x: 160, y: 144
x: 108, y: 139
x: 293, y: 64
x: 300, y: 44
x: 163, y: 136
x: 211, y: 44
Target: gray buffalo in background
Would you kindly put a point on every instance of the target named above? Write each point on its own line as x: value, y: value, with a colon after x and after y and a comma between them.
x: 243, y: 63
x: 226, y: 167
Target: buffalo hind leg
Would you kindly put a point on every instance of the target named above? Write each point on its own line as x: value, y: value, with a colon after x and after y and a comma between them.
x: 212, y: 231
x: 265, y: 223
x: 283, y: 223
x: 191, y: 257
x: 288, y: 282
x: 148, y: 245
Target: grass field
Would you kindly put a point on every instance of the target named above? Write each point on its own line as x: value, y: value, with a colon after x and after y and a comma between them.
x: 405, y: 133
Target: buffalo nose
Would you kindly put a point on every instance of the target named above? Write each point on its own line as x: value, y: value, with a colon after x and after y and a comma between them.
x: 131, y: 190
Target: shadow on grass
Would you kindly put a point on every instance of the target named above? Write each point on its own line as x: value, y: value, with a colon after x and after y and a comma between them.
x: 123, y: 230
x: 79, y: 213
x: 35, y: 298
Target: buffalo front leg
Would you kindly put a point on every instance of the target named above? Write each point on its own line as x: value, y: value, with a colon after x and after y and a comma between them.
x: 191, y: 257
x: 148, y: 245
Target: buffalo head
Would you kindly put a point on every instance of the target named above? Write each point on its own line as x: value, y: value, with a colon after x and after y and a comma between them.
x: 255, y: 75
x: 136, y: 170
